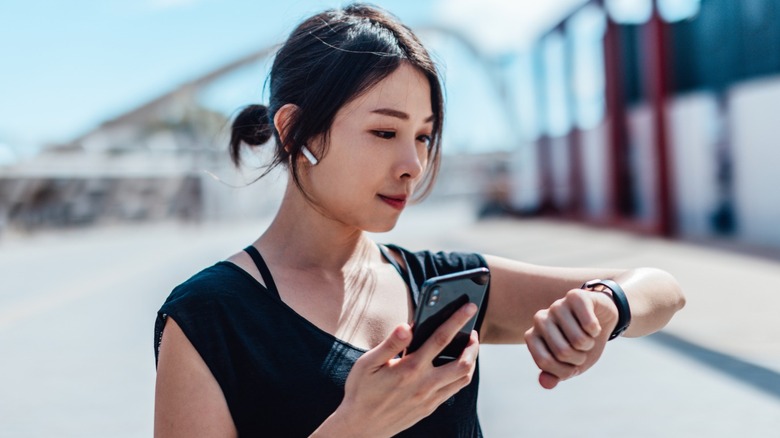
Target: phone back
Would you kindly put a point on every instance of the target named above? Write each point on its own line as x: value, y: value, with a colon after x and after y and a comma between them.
x: 440, y: 298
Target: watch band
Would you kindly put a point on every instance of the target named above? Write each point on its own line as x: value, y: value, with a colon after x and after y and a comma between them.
x: 621, y: 302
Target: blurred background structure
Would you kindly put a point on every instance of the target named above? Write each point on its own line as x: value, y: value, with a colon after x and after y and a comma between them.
x: 658, y: 115
x: 637, y: 126
x: 650, y: 115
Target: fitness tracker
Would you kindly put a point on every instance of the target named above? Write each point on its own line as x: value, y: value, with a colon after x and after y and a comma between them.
x: 621, y: 302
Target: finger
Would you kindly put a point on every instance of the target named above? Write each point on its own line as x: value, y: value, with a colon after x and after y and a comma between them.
x: 585, y: 312
x: 605, y: 310
x: 465, y: 363
x: 471, y: 351
x: 445, y: 333
x: 545, y: 360
x: 461, y: 370
x: 388, y: 348
x: 547, y: 380
x: 571, y: 328
x: 559, y: 345
x: 453, y: 387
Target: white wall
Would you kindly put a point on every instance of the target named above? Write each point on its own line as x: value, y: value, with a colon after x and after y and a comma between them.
x: 595, y: 170
x: 643, y: 160
x: 524, y: 177
x: 692, y: 120
x: 755, y: 127
x: 561, y: 171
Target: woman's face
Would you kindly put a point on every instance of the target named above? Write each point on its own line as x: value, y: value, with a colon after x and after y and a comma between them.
x: 377, y: 153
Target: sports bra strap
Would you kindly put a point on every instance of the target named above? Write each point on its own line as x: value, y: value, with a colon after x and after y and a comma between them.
x: 268, y: 279
x: 263, y: 268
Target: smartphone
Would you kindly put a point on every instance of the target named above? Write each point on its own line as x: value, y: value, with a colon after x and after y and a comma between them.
x: 440, y: 298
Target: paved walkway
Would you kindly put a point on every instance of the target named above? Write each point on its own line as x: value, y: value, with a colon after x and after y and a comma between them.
x: 77, y: 312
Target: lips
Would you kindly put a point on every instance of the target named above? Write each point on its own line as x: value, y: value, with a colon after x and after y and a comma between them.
x: 396, y: 201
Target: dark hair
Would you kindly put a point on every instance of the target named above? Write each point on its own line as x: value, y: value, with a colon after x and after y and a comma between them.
x: 329, y: 60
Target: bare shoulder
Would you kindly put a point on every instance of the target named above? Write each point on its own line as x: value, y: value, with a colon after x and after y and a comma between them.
x: 188, y: 399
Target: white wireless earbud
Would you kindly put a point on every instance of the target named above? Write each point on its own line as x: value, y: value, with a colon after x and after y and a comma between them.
x: 309, y: 156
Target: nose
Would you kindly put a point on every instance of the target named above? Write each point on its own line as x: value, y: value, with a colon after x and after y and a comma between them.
x: 411, y: 161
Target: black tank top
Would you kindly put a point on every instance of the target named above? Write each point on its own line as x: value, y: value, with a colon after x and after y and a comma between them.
x: 281, y: 375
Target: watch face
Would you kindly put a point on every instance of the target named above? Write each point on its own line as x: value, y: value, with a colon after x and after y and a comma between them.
x: 595, y: 285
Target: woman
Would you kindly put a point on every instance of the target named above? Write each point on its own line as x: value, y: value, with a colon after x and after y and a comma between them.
x: 300, y: 333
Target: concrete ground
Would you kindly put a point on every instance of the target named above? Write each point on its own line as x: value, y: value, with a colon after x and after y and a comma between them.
x: 77, y: 312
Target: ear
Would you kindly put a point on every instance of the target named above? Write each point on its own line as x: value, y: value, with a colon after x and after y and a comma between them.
x: 282, y: 120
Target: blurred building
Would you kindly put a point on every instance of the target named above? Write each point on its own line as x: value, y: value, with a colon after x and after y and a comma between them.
x: 168, y: 160
x: 657, y: 116
x: 652, y: 115
x: 165, y: 160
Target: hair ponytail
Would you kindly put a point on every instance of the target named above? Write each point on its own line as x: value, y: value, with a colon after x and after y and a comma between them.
x: 253, y: 127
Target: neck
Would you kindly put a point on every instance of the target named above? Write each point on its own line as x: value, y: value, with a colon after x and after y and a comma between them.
x: 300, y: 236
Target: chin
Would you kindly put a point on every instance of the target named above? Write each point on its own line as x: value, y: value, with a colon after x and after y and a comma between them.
x: 381, y: 227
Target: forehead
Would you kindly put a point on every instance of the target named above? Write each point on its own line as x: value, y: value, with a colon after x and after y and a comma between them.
x: 406, y: 89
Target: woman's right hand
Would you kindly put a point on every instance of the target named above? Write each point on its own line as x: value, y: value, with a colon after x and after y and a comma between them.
x: 385, y: 394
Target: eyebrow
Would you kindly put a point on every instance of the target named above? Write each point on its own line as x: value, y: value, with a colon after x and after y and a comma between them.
x: 398, y: 114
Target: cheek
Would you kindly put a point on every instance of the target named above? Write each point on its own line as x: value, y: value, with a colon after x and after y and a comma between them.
x: 424, y: 158
x: 344, y: 176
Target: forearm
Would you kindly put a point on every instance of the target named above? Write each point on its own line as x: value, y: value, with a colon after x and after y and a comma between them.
x: 653, y: 295
x: 519, y: 290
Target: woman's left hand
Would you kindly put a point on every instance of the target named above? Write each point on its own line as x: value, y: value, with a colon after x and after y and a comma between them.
x: 568, y: 337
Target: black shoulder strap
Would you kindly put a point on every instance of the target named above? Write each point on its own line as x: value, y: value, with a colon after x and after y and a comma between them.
x: 389, y: 257
x: 406, y: 274
x: 263, y: 268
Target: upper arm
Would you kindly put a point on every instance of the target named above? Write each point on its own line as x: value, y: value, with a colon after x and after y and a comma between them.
x: 188, y: 399
x: 519, y: 290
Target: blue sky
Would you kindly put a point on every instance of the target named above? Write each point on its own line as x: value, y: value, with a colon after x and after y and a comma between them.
x: 65, y: 66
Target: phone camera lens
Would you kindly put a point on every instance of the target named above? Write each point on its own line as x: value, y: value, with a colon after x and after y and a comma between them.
x: 432, y: 303
x: 435, y: 292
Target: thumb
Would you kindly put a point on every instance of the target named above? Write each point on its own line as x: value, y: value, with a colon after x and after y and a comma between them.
x: 389, y: 347
x: 547, y: 380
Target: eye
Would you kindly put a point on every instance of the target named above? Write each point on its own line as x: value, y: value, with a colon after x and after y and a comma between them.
x: 425, y: 139
x: 387, y: 135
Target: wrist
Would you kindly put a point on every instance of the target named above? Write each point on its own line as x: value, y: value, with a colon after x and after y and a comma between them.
x: 338, y: 424
x: 618, y: 298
